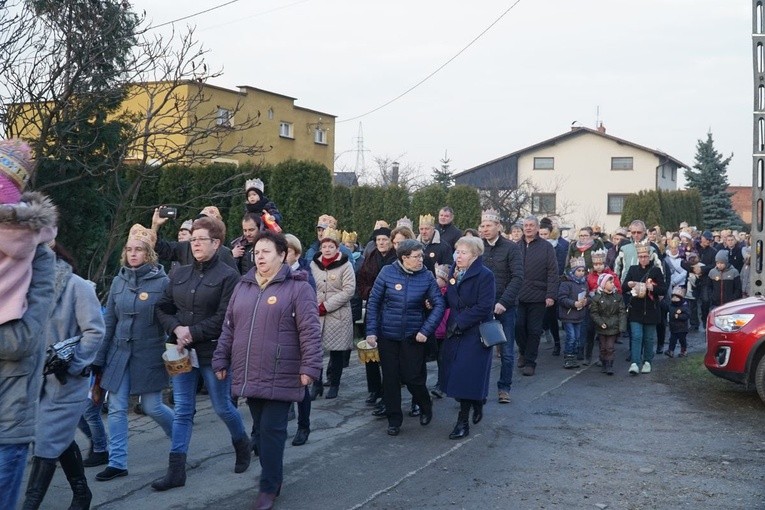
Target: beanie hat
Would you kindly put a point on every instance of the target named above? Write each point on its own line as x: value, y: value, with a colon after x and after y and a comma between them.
x: 603, y: 279
x: 708, y: 235
x: 678, y: 291
x: 722, y: 256
x: 15, y: 165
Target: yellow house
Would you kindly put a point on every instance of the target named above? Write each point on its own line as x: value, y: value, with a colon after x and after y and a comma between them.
x: 197, y: 123
x: 582, y: 176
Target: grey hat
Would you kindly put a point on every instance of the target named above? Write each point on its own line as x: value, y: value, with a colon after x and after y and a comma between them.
x: 722, y: 256
x: 708, y: 235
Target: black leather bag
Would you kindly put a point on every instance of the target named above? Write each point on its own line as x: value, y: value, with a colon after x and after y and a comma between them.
x: 492, y: 333
x: 59, y: 355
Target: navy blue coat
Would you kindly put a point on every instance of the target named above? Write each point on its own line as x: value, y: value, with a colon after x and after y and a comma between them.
x: 465, y: 362
x: 396, y: 305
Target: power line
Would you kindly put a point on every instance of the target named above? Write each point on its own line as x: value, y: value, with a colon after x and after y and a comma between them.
x: 269, y: 11
x: 407, y: 91
x: 224, y: 4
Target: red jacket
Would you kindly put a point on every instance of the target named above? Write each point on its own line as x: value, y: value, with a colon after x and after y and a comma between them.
x: 592, y: 280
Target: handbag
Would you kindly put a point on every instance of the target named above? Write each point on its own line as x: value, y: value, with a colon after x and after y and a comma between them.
x: 492, y: 333
x: 58, y: 357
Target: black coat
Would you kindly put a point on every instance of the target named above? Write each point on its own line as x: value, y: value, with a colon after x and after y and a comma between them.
x: 679, y: 315
x: 197, y: 296
x: 540, y: 271
x: 504, y: 260
x: 180, y: 251
x: 645, y: 310
x: 449, y: 234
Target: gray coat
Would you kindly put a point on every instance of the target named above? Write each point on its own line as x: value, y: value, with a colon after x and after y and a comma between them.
x: 134, y: 338
x: 21, y: 355
x: 76, y: 312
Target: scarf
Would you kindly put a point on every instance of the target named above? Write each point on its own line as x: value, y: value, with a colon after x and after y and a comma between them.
x: 583, y: 247
x: 326, y: 262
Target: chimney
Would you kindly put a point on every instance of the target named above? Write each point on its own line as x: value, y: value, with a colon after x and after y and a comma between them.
x: 601, y: 128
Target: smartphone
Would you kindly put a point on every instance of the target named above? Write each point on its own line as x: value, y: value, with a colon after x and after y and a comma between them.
x: 168, y: 212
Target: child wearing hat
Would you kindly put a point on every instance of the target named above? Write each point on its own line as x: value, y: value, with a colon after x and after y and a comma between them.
x: 679, y: 314
x: 724, y: 281
x: 572, y: 308
x: 26, y: 220
x: 257, y: 203
x: 609, y: 318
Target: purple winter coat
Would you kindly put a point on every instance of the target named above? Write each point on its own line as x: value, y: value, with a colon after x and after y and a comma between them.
x: 270, y: 337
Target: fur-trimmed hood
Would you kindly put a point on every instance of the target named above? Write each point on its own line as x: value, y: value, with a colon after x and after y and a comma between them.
x: 34, y: 211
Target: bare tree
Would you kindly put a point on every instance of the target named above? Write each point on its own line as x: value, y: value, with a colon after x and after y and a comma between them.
x: 392, y: 173
x: 516, y: 203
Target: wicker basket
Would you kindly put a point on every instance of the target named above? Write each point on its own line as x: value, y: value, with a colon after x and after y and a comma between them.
x: 367, y: 354
x: 179, y: 366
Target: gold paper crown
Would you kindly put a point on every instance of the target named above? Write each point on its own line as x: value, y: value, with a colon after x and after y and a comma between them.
x: 427, y: 220
x: 212, y: 212
x: 599, y: 255
x: 642, y: 248
x: 491, y: 215
x: 331, y: 233
x: 349, y: 237
x: 405, y: 222
x: 140, y: 233
x: 253, y: 184
x: 381, y: 224
x: 16, y: 160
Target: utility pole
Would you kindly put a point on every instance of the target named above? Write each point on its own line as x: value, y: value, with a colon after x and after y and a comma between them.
x: 757, y: 280
x: 360, y: 164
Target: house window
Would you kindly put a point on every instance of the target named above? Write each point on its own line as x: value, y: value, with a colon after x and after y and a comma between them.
x: 285, y: 130
x: 320, y: 136
x: 270, y: 114
x: 543, y: 203
x: 544, y: 163
x: 225, y: 118
x: 621, y: 164
x: 616, y: 203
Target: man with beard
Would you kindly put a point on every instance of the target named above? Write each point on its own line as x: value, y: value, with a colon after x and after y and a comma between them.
x: 242, y: 247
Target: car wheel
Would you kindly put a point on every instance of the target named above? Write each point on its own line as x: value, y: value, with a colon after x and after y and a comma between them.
x: 759, y: 378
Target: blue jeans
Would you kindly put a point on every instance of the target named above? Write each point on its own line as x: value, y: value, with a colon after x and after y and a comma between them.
x: 92, y: 426
x: 573, y: 337
x: 185, y: 396
x: 269, y: 419
x: 643, y: 342
x: 118, y: 419
x: 13, y: 461
x: 507, y: 349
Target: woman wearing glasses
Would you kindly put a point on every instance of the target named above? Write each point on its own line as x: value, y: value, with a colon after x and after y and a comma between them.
x: 399, y: 325
x: 191, y: 312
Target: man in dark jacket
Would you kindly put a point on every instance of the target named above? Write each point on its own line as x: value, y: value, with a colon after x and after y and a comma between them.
x: 503, y: 258
x: 435, y: 249
x: 539, y: 290
x: 447, y: 231
x: 707, y: 253
x: 242, y: 247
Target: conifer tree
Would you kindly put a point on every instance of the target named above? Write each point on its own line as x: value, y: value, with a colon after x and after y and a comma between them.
x: 709, y: 177
x: 443, y: 176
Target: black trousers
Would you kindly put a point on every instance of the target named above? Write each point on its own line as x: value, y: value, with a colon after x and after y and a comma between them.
x: 403, y: 362
x: 374, y: 378
x: 528, y: 329
x: 269, y: 419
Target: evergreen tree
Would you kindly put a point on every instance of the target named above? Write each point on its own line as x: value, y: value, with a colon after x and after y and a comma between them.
x: 443, y: 176
x: 709, y: 177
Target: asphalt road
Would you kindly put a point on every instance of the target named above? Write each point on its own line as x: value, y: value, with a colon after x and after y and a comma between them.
x: 570, y: 439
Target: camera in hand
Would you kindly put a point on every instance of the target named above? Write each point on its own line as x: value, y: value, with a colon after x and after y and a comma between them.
x: 168, y: 212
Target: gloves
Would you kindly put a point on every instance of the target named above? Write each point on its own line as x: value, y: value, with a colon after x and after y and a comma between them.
x: 322, y: 310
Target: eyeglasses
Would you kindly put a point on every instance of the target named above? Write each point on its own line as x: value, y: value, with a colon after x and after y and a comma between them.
x: 200, y: 239
x: 636, y: 232
x: 414, y: 256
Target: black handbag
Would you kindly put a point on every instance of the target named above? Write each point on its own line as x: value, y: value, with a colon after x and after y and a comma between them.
x: 58, y: 357
x: 492, y: 333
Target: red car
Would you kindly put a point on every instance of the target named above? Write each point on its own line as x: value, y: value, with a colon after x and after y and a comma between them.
x: 736, y: 342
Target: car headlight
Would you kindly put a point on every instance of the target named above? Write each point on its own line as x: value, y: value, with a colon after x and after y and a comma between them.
x: 734, y: 322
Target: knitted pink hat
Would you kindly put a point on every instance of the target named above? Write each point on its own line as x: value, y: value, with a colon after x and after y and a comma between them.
x: 603, y: 278
x: 15, y: 165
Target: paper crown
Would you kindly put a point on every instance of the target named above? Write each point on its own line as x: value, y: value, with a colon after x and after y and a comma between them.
x: 326, y: 221
x: 442, y: 271
x: 405, y: 222
x: 599, y: 255
x: 212, y: 212
x: 578, y: 262
x: 381, y: 224
x: 253, y: 184
x: 140, y: 233
x: 332, y: 234
x: 186, y: 225
x: 427, y: 220
x: 349, y: 237
x: 678, y: 291
x: 642, y: 248
x: 491, y: 215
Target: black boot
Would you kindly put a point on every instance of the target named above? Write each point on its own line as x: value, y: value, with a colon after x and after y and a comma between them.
x: 462, y: 428
x: 71, y: 463
x: 39, y: 480
x: 477, y: 411
x: 176, y: 473
x: 556, y: 350
x: 609, y: 367
x: 332, y: 392
x: 243, y: 455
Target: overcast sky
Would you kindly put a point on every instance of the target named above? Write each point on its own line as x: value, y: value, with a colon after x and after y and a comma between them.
x: 662, y: 72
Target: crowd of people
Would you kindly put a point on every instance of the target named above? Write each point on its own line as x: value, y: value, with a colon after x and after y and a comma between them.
x: 251, y: 319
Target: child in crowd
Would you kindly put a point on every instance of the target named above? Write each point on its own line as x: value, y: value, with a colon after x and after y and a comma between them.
x: 609, y: 318
x: 25, y: 221
x: 442, y: 275
x: 693, y: 291
x: 679, y: 313
x: 257, y: 203
x: 572, y: 308
x: 724, y: 281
